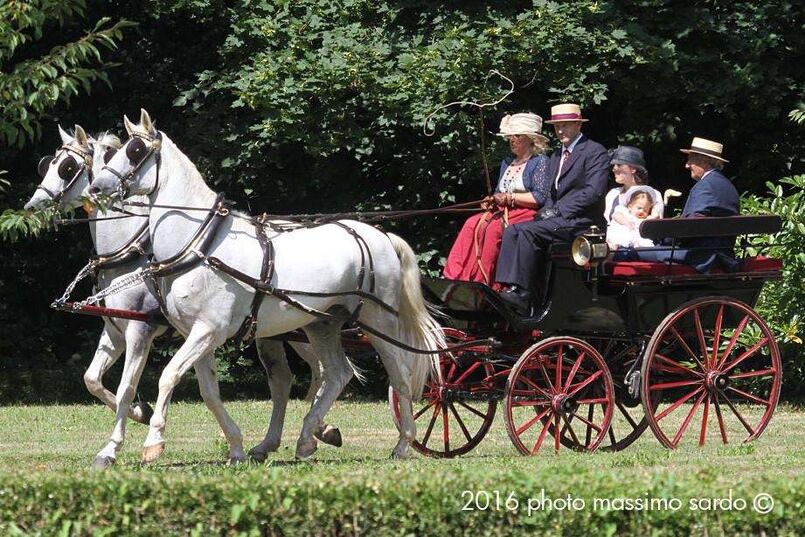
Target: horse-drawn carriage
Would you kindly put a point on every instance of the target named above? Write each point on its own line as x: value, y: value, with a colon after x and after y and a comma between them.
x: 610, y: 349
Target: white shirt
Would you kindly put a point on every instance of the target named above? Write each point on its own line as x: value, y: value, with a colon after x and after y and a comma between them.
x: 569, y: 149
x: 707, y: 173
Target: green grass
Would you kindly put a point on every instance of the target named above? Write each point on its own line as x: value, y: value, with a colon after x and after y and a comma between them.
x: 50, y: 447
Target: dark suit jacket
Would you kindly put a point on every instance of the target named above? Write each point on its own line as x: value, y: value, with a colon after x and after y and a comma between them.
x: 580, y: 196
x: 714, y: 195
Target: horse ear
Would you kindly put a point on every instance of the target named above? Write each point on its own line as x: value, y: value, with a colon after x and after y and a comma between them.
x: 128, y: 124
x: 81, y: 136
x: 65, y: 138
x: 145, y: 121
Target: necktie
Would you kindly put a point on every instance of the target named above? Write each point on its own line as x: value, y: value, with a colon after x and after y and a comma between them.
x: 565, y: 158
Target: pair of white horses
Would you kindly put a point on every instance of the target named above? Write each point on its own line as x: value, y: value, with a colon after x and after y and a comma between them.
x: 208, y: 306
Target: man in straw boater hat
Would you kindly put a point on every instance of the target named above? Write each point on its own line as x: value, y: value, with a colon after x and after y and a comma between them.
x: 712, y: 195
x: 578, y: 173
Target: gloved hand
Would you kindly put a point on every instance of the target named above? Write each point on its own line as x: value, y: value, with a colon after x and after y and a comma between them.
x: 545, y: 213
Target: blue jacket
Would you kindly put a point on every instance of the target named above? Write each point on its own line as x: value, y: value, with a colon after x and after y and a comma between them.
x: 535, y: 177
x: 583, y: 184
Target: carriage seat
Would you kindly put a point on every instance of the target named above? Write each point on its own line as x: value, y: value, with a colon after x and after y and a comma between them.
x: 646, y: 269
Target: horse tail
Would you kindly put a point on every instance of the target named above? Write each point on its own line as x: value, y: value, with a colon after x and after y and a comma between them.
x: 418, y: 328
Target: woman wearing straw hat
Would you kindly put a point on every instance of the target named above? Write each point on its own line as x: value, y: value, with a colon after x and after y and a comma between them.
x: 522, y: 189
x: 712, y: 195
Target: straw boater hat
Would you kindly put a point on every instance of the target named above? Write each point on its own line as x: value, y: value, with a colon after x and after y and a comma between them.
x: 707, y: 148
x: 565, y: 112
x: 523, y: 123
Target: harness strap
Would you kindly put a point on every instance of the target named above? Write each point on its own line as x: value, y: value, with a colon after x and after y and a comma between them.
x: 135, y: 248
x: 247, y: 330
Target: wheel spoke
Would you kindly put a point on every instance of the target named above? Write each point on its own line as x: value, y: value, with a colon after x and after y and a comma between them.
x: 673, y: 366
x: 626, y: 414
x: 471, y: 409
x: 528, y: 381
x: 446, y: 431
x: 556, y: 434
x: 545, y: 376
x: 676, y: 384
x: 678, y: 403
x: 527, y: 425
x: 430, y: 426
x: 592, y: 378
x: 687, y: 419
x: 733, y: 340
x: 700, y: 333
x: 588, y: 422
x: 716, y: 336
x: 574, y: 370
x: 425, y: 408
x: 589, y: 433
x: 752, y: 350
x: 738, y: 415
x: 758, y: 373
x: 594, y: 401
x: 569, y: 428
x: 721, y: 427
x: 703, y: 432
x: 460, y: 423
x: 529, y: 402
x: 541, y: 437
x: 749, y: 396
x: 559, y: 360
x: 687, y: 348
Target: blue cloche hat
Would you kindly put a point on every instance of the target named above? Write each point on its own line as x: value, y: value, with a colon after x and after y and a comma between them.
x: 627, y: 154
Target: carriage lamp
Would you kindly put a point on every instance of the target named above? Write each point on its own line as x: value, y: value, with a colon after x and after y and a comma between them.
x: 590, y: 248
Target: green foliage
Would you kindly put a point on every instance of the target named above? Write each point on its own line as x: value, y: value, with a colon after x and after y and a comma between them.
x: 781, y: 303
x: 31, y: 86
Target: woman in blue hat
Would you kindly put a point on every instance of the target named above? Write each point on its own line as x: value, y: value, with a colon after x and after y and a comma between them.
x: 629, y: 169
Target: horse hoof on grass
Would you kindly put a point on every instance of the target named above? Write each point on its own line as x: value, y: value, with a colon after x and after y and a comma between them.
x: 236, y: 461
x: 152, y: 453
x: 141, y: 412
x: 330, y: 435
x: 305, y: 451
x: 102, y: 463
x: 257, y: 456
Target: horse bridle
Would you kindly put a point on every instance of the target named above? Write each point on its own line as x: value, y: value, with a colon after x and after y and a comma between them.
x: 86, y: 165
x: 138, y: 155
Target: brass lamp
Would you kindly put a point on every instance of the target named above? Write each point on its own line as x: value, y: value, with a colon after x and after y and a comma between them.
x: 590, y: 248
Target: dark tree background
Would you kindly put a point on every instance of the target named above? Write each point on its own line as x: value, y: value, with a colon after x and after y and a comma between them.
x: 318, y: 106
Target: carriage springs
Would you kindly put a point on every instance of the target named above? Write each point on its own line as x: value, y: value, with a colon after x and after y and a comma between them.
x: 507, y: 501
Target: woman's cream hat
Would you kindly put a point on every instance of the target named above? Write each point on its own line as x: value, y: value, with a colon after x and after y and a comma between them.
x: 707, y: 148
x: 565, y: 112
x: 523, y: 123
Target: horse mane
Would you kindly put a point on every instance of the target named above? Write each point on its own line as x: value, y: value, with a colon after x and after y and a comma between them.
x: 106, y: 139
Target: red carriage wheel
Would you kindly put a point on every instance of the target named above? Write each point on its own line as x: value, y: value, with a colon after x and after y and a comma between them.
x: 711, y: 370
x: 457, y: 408
x: 559, y: 388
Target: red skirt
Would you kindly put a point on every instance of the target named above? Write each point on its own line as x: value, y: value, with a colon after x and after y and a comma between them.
x: 474, y: 255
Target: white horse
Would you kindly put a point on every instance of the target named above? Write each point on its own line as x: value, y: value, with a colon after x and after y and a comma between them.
x: 65, y: 178
x: 208, y: 305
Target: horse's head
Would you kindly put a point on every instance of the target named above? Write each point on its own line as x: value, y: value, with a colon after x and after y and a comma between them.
x: 135, y: 168
x: 67, y: 174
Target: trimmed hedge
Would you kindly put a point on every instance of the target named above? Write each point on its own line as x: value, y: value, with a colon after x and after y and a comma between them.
x: 262, y: 501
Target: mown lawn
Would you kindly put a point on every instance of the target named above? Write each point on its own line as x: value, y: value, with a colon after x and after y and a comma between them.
x: 51, y: 447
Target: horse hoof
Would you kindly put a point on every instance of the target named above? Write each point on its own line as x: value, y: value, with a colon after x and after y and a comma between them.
x: 258, y: 456
x: 102, y: 463
x: 141, y: 412
x: 305, y: 451
x: 152, y: 453
x: 236, y: 461
x: 330, y: 435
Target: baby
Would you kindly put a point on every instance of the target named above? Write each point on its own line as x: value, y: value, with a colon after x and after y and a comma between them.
x: 624, y: 228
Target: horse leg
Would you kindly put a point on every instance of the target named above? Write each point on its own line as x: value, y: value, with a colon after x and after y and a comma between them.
x: 110, y: 346
x: 329, y: 434
x: 325, y: 339
x: 139, y: 337
x: 272, y: 356
x: 208, y: 385
x: 200, y: 341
